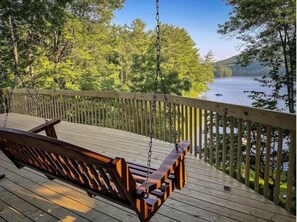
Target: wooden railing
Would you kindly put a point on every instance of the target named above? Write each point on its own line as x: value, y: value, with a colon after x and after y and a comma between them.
x: 255, y: 146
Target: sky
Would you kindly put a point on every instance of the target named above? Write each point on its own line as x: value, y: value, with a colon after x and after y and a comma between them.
x: 199, y: 17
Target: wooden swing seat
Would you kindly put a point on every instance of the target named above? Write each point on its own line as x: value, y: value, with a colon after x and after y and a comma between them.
x: 115, y: 179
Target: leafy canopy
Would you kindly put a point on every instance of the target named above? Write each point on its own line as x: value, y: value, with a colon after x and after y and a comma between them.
x: 268, y: 31
x: 71, y: 44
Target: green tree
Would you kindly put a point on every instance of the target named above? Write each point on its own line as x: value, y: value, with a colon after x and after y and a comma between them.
x: 221, y: 71
x: 82, y: 49
x: 180, y: 55
x: 133, y: 44
x: 24, y: 26
x: 183, y: 71
x: 57, y: 44
x: 268, y: 30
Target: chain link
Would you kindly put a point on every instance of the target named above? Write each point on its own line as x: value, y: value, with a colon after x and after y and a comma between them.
x: 159, y: 73
x: 168, y: 105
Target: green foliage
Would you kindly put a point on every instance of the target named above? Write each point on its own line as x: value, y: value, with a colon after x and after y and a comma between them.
x: 255, y: 68
x: 221, y: 71
x: 58, y: 45
x: 183, y: 73
x: 268, y: 30
x: 24, y: 27
x: 72, y: 45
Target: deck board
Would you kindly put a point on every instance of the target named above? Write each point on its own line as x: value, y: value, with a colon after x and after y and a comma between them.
x: 202, y: 199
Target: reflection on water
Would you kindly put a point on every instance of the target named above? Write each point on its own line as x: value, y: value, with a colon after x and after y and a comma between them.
x: 231, y: 90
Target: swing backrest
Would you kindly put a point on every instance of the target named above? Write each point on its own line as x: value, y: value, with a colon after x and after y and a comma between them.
x: 60, y: 160
x: 97, y: 174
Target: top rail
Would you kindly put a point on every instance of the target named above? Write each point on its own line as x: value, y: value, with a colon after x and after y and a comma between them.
x: 269, y: 117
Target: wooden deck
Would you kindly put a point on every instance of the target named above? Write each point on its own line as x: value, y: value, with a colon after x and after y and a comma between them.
x: 26, y: 195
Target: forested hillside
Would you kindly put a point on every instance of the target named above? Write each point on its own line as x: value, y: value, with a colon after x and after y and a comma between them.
x: 73, y: 45
x: 253, y: 69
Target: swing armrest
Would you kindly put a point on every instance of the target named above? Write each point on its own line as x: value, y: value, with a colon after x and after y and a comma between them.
x: 48, y: 127
x: 170, y: 165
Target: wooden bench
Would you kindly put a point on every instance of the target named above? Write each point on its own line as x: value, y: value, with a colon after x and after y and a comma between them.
x: 115, y: 179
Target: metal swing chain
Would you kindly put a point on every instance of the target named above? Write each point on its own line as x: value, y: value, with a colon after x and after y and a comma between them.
x: 168, y: 105
x: 159, y: 73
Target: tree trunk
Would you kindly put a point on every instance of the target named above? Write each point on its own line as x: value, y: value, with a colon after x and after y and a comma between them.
x: 289, y: 80
x: 15, y: 47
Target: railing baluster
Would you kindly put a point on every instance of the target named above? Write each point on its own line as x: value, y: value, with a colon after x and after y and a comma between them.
x: 117, y: 114
x: 179, y: 123
x: 239, y: 149
x: 85, y: 110
x: 200, y: 133
x: 114, y: 112
x: 130, y: 115
x: 174, y: 120
x: 126, y: 114
x: 267, y: 161
x: 80, y: 109
x: 149, y: 116
x: 145, y: 118
x: 95, y: 108
x: 257, y: 161
x: 224, y: 143
x: 191, y: 128
x: 205, y: 136
x: 292, y: 167
x: 210, y: 137
x: 141, y: 118
x: 278, y: 166
x: 169, y: 126
x: 182, y: 123
x: 108, y: 112
x: 99, y: 105
x: 160, y: 120
x: 217, y: 139
x: 195, y: 132
x: 65, y: 110
x: 155, y: 122
x: 121, y: 113
x: 231, y: 145
x: 186, y: 122
x: 248, y: 154
x: 164, y: 122
x: 137, y: 117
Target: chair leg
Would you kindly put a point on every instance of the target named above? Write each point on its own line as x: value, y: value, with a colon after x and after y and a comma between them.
x: 2, y: 176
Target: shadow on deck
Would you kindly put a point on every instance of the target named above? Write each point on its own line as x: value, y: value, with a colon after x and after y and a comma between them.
x: 27, y: 195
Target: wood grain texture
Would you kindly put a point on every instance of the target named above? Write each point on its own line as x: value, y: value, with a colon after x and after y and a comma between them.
x: 202, y: 199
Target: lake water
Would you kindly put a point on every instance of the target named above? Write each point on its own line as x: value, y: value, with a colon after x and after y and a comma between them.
x: 232, y: 90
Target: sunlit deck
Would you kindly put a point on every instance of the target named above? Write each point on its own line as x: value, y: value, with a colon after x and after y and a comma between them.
x: 26, y: 195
